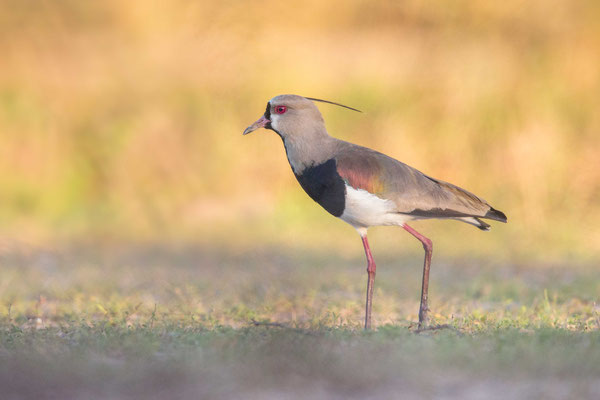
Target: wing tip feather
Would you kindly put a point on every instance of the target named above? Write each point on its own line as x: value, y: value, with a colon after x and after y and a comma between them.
x: 496, y: 215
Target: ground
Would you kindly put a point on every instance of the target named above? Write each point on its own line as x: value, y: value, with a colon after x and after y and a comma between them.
x: 186, y: 322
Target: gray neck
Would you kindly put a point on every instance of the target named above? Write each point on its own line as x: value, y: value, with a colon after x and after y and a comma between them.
x: 308, y: 150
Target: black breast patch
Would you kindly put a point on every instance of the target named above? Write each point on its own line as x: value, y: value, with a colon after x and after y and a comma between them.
x: 325, y: 186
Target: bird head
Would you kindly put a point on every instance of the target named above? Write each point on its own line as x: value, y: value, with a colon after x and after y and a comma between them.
x: 290, y: 115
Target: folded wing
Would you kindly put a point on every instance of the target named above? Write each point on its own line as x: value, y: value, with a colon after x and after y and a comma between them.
x: 413, y: 192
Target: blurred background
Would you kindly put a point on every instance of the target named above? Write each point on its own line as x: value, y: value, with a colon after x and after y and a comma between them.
x: 122, y: 121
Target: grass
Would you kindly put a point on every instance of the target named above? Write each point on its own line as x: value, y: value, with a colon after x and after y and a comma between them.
x: 148, y: 321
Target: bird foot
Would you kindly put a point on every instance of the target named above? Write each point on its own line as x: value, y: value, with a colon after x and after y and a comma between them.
x: 433, y: 328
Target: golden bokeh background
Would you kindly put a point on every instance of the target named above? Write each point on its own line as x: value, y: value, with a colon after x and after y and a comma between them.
x: 122, y: 120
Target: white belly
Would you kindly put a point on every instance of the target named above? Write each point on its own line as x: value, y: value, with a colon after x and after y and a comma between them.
x: 364, y: 209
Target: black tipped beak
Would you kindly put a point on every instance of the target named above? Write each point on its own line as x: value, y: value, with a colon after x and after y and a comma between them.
x: 261, y: 123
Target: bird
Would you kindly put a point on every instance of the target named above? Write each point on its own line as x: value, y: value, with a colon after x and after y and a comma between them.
x: 364, y: 187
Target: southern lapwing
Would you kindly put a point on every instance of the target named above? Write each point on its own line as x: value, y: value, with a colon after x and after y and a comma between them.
x: 364, y: 187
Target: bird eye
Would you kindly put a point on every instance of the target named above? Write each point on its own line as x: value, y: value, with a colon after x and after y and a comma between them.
x: 280, y: 109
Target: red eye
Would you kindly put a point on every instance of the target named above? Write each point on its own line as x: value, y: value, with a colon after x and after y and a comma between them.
x: 280, y: 109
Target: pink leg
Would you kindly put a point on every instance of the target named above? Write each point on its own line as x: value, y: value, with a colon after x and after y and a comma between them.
x: 428, y: 246
x: 371, y: 280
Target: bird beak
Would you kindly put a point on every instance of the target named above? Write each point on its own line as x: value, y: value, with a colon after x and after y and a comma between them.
x: 261, y: 123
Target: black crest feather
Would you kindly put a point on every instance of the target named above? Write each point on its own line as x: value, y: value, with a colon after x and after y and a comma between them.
x: 331, y: 102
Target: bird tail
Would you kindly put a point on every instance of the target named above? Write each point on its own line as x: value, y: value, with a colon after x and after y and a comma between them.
x: 475, y: 222
x: 484, y: 226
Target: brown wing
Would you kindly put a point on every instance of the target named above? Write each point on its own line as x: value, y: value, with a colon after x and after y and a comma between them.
x: 413, y: 192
